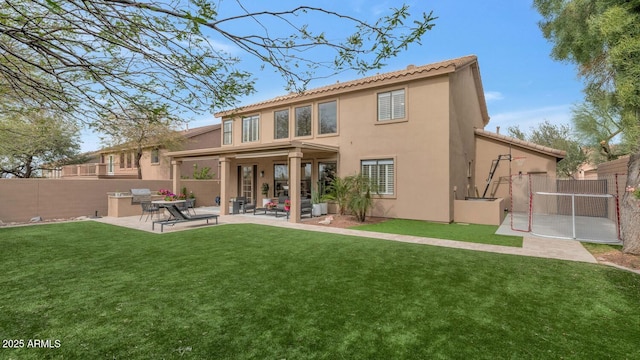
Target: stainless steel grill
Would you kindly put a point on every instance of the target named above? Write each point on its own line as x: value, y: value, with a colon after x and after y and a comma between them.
x: 140, y: 195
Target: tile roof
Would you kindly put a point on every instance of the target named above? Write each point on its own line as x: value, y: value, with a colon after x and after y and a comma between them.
x: 560, y: 154
x: 186, y: 133
x: 411, y: 70
x: 200, y: 130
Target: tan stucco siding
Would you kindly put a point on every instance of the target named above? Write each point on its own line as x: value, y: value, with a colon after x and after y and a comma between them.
x: 489, y: 149
x: 418, y: 144
x: 465, y: 115
x: 266, y: 126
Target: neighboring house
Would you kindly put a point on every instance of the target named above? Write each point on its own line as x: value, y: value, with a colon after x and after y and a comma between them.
x: 119, y: 162
x: 88, y: 168
x: 413, y: 132
x: 587, y: 171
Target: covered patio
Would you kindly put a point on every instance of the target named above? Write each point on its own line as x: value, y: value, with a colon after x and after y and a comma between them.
x: 290, y: 168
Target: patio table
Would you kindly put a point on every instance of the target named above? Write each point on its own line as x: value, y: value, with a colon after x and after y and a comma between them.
x: 272, y: 211
x: 166, y: 203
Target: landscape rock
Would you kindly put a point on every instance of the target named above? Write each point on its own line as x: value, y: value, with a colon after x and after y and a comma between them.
x: 35, y: 219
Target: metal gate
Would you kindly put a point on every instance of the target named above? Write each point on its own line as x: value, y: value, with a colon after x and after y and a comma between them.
x: 568, y: 209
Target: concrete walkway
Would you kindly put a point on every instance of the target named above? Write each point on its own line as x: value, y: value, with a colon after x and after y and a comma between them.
x: 532, y: 246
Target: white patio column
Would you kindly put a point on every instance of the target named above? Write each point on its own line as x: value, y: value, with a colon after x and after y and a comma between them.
x: 295, y: 161
x: 176, y: 176
x: 225, y: 191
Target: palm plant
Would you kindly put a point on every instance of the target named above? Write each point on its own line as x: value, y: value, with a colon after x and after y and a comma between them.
x: 339, y: 191
x: 359, y: 198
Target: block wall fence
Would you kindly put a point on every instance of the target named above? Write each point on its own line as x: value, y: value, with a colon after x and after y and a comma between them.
x: 23, y: 199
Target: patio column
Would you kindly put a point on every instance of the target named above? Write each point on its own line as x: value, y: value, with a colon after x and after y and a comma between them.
x: 176, y: 176
x: 225, y: 191
x: 295, y: 161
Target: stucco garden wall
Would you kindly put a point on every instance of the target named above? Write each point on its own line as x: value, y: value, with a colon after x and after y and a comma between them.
x: 23, y: 199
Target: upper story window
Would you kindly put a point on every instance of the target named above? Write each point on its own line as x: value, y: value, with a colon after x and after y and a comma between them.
x: 227, y: 132
x: 281, y: 120
x: 250, y: 128
x: 155, y: 156
x: 327, y: 118
x: 391, y: 105
x: 303, y: 121
x: 381, y: 175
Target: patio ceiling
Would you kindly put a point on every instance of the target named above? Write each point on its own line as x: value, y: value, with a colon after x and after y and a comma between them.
x: 253, y: 151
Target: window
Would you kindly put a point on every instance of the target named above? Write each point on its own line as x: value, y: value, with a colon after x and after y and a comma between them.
x: 122, y: 160
x: 303, y: 121
x: 250, y: 128
x: 110, y: 166
x: 281, y: 119
x: 380, y: 173
x: 155, y: 156
x: 327, y: 118
x: 280, y: 180
x: 227, y: 132
x: 391, y: 105
x: 327, y: 173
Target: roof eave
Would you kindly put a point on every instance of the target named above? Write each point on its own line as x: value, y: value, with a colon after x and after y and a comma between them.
x: 558, y: 154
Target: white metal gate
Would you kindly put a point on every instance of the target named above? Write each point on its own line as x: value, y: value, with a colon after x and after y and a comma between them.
x: 584, y: 210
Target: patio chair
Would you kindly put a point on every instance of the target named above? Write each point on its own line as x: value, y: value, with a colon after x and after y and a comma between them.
x: 150, y: 209
x: 280, y: 204
x: 178, y: 216
x: 245, y: 205
x: 305, y: 208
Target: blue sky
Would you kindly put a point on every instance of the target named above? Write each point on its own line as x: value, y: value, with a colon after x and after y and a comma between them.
x: 523, y: 85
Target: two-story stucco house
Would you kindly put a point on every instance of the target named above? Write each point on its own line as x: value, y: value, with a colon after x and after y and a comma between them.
x: 118, y: 162
x: 412, y: 131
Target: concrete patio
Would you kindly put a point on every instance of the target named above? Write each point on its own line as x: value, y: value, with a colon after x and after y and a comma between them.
x: 532, y: 246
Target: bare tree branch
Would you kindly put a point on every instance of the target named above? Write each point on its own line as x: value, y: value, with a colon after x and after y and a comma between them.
x: 89, y: 58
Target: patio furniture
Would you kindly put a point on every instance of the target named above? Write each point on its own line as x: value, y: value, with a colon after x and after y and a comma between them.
x: 178, y: 216
x: 281, y: 201
x: 305, y: 208
x: 149, y: 209
x: 245, y: 205
x: 269, y: 211
x: 191, y: 204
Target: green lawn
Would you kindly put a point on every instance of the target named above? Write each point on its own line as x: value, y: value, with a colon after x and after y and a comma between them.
x: 258, y: 292
x: 484, y: 234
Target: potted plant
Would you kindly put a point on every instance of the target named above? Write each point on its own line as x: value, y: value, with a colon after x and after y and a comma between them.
x: 191, y: 200
x: 265, y: 194
x: 322, y: 199
x: 287, y: 205
x: 315, y: 203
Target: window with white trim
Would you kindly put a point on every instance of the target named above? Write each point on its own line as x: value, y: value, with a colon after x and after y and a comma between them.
x: 381, y: 174
x: 227, y: 132
x: 391, y: 105
x: 250, y: 128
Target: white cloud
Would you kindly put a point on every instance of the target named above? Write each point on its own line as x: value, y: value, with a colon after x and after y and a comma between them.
x: 528, y: 118
x: 227, y: 48
x: 493, y: 95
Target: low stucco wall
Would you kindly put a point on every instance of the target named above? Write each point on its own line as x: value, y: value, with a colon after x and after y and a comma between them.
x: 479, y: 211
x: 23, y: 199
